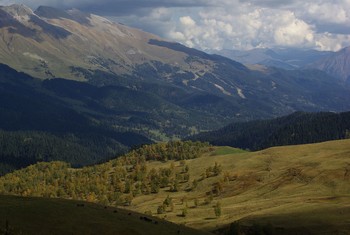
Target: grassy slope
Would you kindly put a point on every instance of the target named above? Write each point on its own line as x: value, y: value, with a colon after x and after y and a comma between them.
x: 48, y: 216
x: 295, y: 188
x: 301, y: 189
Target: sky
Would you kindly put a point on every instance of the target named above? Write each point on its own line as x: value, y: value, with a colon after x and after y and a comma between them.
x: 227, y: 24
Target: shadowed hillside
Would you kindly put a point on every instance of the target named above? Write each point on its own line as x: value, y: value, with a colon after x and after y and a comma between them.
x: 46, y: 216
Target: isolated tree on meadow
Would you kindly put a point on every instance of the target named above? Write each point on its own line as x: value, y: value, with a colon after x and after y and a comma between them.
x: 167, y: 201
x: 161, y: 209
x: 217, y: 209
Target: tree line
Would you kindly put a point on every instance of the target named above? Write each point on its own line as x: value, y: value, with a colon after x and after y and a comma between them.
x: 297, y: 128
x: 115, y: 182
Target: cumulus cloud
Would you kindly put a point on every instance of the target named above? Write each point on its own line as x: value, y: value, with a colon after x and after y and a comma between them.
x: 218, y: 29
x: 254, y: 24
x: 229, y: 24
x: 289, y: 30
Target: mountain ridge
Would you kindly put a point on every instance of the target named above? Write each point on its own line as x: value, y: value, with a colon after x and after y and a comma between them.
x: 286, y: 58
x: 337, y: 65
x: 63, y: 45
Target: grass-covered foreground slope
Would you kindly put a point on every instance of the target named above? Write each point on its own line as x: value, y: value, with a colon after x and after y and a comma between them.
x: 298, y: 189
x: 55, y: 216
x: 284, y: 190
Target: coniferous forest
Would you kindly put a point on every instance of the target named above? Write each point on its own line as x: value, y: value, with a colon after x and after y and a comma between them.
x: 297, y: 128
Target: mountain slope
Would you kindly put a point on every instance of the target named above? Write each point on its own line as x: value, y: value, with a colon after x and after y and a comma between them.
x: 70, y: 44
x: 337, y: 65
x: 51, y: 43
x: 297, y: 128
x: 131, y: 85
x: 36, y: 125
x: 28, y: 103
x: 281, y: 188
x: 82, y: 123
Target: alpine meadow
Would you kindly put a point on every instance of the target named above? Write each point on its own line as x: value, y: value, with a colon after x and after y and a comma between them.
x: 173, y: 117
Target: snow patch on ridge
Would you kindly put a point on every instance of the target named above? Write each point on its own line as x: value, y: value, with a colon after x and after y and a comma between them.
x: 240, y: 93
x: 131, y: 52
x: 222, y: 89
x: 33, y: 56
x: 274, y: 85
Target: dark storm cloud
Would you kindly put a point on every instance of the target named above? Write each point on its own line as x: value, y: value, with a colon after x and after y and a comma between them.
x: 111, y: 7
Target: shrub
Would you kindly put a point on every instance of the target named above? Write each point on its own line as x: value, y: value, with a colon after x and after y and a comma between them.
x: 184, y: 212
x: 217, y: 209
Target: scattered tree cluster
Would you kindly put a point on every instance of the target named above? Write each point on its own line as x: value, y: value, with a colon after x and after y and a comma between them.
x: 217, y: 209
x: 213, y: 170
x: 116, y: 182
x: 173, y: 150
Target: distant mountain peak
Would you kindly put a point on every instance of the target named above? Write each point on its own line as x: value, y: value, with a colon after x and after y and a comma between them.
x: 19, y: 12
x: 18, y: 19
x: 337, y: 65
x: 18, y: 9
x: 286, y: 58
x: 346, y: 49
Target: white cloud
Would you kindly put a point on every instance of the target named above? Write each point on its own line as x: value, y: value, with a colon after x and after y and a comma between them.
x: 187, y: 21
x: 217, y: 28
x: 290, y: 31
x: 246, y: 26
x: 337, y: 11
x: 331, y: 42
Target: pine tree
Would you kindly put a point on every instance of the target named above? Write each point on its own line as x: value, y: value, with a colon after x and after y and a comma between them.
x: 167, y: 201
x: 217, y: 169
x: 217, y: 209
x: 160, y: 209
x: 184, y: 212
